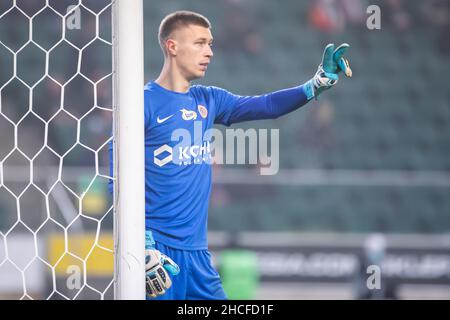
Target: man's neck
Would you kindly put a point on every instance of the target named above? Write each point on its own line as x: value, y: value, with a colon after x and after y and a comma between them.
x: 171, y: 79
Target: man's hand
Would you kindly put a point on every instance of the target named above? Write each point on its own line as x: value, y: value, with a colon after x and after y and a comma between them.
x: 333, y: 59
x: 326, y: 76
x: 157, y: 268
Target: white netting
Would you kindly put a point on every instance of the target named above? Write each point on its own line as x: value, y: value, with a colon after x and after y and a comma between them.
x: 56, y: 214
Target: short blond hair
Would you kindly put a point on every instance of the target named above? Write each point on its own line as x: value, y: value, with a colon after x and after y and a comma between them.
x: 176, y: 20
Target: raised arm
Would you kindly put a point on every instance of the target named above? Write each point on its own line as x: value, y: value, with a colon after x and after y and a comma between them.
x: 233, y: 108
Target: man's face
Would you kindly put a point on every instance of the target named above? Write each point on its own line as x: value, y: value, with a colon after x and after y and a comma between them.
x: 192, y: 48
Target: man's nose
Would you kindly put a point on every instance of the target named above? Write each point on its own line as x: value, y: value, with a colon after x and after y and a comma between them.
x: 209, y: 52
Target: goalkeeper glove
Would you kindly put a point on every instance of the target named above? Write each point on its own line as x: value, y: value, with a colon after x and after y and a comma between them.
x: 158, y: 266
x: 328, y: 70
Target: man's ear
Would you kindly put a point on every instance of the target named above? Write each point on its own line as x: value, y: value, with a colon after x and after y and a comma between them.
x: 171, y: 47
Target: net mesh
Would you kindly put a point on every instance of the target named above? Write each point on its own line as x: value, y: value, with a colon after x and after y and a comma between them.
x: 56, y: 214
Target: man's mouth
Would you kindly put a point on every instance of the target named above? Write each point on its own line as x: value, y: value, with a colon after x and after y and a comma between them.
x: 204, y: 66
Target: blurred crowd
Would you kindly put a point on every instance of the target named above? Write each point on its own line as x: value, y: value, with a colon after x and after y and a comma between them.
x: 399, y: 16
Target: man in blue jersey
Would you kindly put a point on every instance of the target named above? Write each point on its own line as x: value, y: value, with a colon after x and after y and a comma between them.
x: 177, y: 152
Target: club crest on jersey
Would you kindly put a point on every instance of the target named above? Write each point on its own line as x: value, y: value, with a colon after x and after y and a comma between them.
x: 203, y: 111
x: 188, y: 114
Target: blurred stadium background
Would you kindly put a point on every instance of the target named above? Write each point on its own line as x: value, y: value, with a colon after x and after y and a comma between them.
x: 364, y: 172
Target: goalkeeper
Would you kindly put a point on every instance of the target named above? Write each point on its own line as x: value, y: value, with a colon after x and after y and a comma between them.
x: 178, y: 262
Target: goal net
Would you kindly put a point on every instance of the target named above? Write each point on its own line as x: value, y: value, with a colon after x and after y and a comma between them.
x: 59, y: 227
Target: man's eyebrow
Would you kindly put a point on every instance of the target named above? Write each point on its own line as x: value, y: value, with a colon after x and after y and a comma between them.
x: 204, y: 39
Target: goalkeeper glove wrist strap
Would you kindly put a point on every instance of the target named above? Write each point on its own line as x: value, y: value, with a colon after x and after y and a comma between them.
x: 149, y: 241
x: 308, y: 89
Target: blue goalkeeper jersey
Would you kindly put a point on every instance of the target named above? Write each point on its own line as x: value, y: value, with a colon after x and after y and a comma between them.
x: 177, y: 163
x: 178, y: 153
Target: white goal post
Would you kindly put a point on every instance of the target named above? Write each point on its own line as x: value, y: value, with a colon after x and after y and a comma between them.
x: 129, y: 188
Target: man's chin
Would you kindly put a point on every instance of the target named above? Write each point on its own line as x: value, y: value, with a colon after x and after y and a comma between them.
x: 198, y: 75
